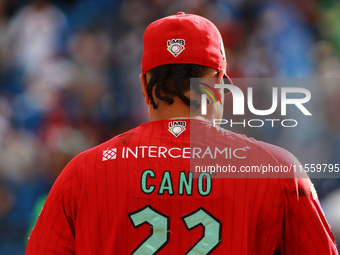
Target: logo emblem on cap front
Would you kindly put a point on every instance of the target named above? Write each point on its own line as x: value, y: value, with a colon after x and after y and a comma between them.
x: 175, y: 46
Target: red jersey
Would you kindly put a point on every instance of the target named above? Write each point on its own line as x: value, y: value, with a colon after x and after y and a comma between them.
x: 135, y: 194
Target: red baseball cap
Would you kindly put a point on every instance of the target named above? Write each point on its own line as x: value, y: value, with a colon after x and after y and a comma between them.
x: 183, y: 39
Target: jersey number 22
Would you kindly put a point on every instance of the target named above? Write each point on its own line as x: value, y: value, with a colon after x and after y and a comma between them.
x: 160, y: 230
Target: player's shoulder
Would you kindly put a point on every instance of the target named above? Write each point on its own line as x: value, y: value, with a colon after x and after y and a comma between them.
x: 90, y: 159
x: 129, y: 138
x: 294, y: 179
x: 276, y: 153
x: 279, y: 154
x: 118, y: 140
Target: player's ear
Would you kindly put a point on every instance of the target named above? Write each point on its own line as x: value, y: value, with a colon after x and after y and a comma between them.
x: 142, y: 78
x: 220, y: 74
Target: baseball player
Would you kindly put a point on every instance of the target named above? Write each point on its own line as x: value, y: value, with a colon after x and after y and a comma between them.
x: 138, y: 193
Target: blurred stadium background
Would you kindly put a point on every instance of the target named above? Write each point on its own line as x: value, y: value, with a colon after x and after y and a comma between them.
x: 69, y: 80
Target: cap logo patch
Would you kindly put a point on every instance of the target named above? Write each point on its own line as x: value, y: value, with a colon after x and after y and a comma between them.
x: 175, y: 46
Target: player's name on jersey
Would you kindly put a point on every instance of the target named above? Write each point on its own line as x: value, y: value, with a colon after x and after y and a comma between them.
x: 176, y: 152
x: 186, y: 182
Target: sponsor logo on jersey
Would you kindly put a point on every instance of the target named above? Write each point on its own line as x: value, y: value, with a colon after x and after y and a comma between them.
x: 175, y: 46
x: 185, y: 152
x: 175, y: 152
x: 177, y: 127
x: 109, y: 154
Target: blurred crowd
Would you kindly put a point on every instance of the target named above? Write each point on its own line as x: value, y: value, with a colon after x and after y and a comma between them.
x: 69, y: 80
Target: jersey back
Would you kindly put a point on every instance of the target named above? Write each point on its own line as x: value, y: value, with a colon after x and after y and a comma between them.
x: 179, y: 187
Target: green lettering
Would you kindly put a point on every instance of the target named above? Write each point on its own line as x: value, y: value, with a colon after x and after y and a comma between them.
x: 201, y: 178
x: 166, y: 184
x: 144, y: 185
x: 185, y: 183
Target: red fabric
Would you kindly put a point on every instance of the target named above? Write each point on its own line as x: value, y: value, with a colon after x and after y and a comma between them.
x: 88, y: 208
x: 202, y: 42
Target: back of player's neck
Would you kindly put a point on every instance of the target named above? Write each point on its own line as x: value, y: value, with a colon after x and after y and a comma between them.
x: 176, y: 115
x: 174, y: 111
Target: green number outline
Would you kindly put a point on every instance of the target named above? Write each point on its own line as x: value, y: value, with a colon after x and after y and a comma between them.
x: 200, y: 224
x: 184, y: 219
x: 130, y: 215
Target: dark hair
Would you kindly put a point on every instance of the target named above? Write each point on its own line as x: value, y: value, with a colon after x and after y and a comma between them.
x: 174, y: 80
